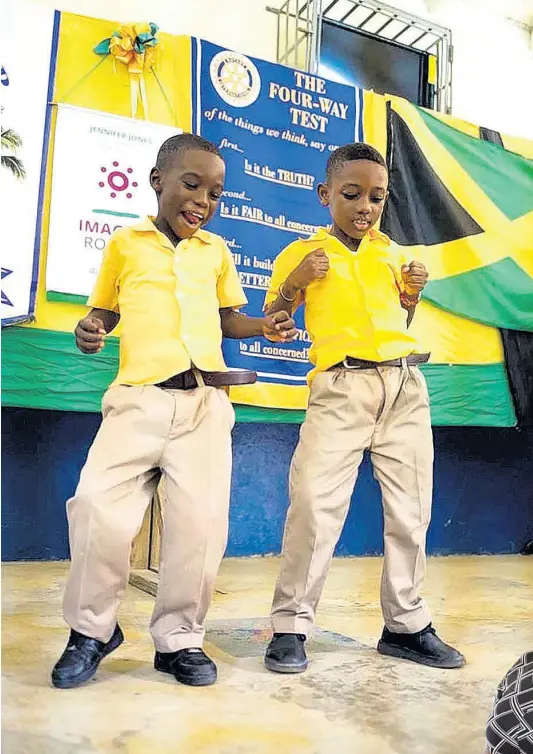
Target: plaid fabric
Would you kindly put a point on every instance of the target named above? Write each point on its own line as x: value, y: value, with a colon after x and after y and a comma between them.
x: 510, y: 726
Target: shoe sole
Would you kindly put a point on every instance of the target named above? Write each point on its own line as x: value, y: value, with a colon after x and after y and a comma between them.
x: 186, y: 680
x: 279, y: 667
x: 84, y: 677
x: 402, y: 653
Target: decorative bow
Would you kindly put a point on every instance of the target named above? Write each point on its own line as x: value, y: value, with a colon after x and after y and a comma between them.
x: 134, y: 45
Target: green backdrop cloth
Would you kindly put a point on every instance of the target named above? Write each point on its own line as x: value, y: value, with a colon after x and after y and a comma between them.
x: 42, y: 369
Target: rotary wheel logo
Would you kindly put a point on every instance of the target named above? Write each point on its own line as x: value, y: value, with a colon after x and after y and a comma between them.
x: 117, y: 181
x: 235, y: 78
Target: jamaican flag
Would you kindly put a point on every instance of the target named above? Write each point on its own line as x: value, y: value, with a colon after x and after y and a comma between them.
x: 461, y: 201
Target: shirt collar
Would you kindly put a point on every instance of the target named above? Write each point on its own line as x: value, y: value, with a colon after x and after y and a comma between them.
x: 376, y: 235
x: 147, y: 226
x: 324, y: 234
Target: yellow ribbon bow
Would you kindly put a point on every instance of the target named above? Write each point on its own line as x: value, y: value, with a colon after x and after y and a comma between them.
x: 135, y: 46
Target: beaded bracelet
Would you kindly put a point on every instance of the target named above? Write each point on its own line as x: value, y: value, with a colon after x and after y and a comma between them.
x: 408, y: 300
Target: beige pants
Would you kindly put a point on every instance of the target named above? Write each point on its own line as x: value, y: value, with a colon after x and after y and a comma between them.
x: 385, y: 410
x: 186, y: 434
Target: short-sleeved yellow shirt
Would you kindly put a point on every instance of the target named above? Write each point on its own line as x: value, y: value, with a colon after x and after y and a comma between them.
x: 355, y: 310
x: 168, y: 299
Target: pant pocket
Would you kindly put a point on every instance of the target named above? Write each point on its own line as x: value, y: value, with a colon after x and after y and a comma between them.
x: 227, y: 406
x: 108, y: 400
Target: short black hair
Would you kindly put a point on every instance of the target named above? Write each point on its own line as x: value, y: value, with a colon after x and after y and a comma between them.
x: 351, y: 152
x: 183, y: 143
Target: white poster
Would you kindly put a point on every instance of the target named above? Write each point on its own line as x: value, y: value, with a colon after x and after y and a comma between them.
x: 25, y: 63
x: 100, y: 182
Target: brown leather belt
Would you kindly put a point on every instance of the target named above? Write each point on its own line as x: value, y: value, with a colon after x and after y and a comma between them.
x: 351, y: 363
x: 187, y: 380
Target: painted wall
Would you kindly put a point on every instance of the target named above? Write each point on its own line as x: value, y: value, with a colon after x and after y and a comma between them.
x: 493, y: 64
x: 243, y: 25
x: 493, y: 59
x: 483, y: 488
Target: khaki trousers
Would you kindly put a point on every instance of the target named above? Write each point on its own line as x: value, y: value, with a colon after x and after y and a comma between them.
x: 186, y: 435
x: 384, y: 410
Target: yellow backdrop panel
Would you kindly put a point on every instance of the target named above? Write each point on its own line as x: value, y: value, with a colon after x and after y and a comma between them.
x: 85, y: 79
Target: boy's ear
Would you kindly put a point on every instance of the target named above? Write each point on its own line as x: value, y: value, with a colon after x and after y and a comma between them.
x: 323, y: 194
x: 155, y: 180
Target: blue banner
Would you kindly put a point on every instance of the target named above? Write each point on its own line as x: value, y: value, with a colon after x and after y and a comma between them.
x: 276, y: 128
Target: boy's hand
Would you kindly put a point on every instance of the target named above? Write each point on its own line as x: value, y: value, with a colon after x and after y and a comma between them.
x: 279, y: 327
x: 315, y: 266
x: 90, y: 334
x: 415, y: 277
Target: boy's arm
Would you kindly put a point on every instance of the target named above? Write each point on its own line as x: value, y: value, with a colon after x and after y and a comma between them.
x: 410, y: 314
x: 108, y: 319
x: 287, y: 305
x: 414, y: 279
x: 104, y: 316
x: 278, y: 326
x: 90, y: 331
x: 286, y: 292
x: 236, y: 325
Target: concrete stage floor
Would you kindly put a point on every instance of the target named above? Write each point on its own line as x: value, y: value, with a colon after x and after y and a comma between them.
x: 351, y: 700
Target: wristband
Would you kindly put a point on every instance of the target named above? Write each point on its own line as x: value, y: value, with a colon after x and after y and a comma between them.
x: 408, y: 300
x: 284, y: 297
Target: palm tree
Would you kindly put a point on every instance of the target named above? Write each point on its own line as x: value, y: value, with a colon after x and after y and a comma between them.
x: 12, y: 141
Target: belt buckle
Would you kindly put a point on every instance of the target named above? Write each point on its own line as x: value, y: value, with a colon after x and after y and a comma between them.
x: 346, y: 365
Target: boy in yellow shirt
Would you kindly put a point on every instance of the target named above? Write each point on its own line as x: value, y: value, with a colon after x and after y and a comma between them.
x: 175, y: 289
x: 367, y: 393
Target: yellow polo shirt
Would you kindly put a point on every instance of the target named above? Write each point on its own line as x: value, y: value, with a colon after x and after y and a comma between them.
x: 355, y: 310
x: 168, y: 299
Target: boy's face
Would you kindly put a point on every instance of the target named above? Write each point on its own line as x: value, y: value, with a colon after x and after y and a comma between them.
x: 188, y: 189
x: 355, y: 195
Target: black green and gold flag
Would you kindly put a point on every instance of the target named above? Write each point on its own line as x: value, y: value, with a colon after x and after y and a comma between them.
x: 463, y: 204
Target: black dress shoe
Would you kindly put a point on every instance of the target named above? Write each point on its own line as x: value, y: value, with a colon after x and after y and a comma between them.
x: 190, y: 666
x: 424, y: 647
x: 80, y: 660
x: 286, y: 654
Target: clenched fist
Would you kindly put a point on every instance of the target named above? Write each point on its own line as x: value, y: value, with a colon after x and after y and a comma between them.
x: 90, y: 334
x: 279, y: 327
x: 415, y: 277
x: 313, y: 267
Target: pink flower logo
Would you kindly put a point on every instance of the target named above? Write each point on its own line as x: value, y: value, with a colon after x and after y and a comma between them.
x: 118, y: 181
